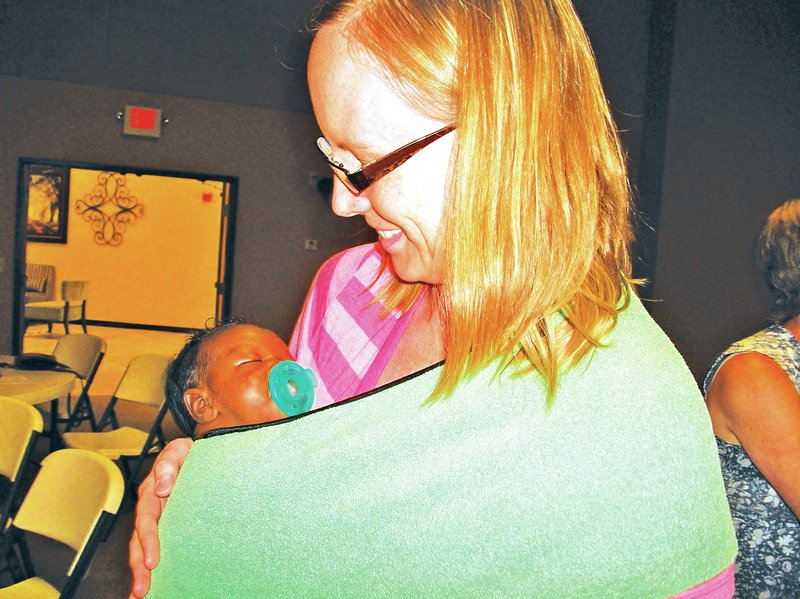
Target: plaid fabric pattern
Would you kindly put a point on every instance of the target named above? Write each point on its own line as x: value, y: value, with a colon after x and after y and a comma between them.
x: 339, y: 334
x: 39, y: 282
x: 36, y: 284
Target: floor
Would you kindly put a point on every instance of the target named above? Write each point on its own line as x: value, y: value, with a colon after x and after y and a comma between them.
x: 109, y: 576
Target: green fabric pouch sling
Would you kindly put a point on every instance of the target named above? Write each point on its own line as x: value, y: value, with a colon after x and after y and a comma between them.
x: 613, y: 492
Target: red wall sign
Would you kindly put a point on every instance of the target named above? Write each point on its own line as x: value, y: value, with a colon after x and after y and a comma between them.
x: 141, y: 120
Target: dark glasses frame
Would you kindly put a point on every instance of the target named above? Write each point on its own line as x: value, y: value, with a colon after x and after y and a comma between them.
x: 357, y: 181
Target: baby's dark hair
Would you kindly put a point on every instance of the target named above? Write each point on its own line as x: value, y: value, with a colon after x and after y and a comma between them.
x: 186, y: 370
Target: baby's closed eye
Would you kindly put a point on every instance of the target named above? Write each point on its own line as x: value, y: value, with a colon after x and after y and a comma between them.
x: 249, y: 360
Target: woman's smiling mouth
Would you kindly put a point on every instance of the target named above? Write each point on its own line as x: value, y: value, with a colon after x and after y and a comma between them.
x: 390, y: 237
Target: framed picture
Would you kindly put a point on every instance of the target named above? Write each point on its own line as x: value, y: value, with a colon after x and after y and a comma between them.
x: 47, y: 189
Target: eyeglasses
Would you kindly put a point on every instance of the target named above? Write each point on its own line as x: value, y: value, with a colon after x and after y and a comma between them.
x: 359, y: 180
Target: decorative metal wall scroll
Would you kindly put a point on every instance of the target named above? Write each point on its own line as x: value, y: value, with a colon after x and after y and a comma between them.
x: 109, y: 208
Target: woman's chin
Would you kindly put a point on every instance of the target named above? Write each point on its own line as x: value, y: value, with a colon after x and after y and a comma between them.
x: 413, y: 273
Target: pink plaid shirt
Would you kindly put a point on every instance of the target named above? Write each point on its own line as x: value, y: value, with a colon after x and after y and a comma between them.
x: 339, y: 335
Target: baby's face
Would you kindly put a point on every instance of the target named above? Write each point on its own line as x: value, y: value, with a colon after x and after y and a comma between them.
x: 239, y: 360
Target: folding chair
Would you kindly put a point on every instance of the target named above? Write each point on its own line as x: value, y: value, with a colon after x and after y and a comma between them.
x: 83, y: 354
x: 141, y: 383
x: 73, y: 500
x: 20, y: 426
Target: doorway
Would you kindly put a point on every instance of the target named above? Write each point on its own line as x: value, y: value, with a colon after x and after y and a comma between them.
x: 156, y: 246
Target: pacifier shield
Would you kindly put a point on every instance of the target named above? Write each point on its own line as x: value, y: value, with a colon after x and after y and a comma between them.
x: 292, y: 387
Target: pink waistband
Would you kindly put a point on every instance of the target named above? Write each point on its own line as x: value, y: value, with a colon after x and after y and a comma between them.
x: 720, y: 587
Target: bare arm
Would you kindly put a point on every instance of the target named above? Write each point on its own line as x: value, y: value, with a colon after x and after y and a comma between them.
x: 753, y: 403
x: 153, y: 494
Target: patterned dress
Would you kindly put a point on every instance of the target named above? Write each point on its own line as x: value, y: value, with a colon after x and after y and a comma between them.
x: 768, y: 564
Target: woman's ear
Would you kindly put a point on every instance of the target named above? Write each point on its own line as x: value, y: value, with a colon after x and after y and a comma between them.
x: 200, y: 405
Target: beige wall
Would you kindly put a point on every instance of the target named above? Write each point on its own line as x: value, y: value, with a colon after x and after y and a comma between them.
x: 163, y: 272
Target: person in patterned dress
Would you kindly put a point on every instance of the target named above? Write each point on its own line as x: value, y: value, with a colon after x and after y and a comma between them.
x: 752, y: 396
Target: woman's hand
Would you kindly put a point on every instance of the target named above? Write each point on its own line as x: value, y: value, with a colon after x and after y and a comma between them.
x: 153, y: 493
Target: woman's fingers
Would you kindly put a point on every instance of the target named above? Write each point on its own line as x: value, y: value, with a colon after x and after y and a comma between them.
x: 168, y: 464
x: 145, y: 548
x: 141, y: 574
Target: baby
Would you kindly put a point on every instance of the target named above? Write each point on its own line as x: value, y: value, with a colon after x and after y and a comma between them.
x: 233, y: 375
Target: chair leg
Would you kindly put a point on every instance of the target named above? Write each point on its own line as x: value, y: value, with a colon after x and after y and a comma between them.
x: 126, y: 469
x: 82, y: 411
x: 130, y: 484
x: 25, y: 554
x: 55, y: 437
x: 50, y: 326
x: 108, y: 417
x: 66, y: 318
x: 83, y: 317
x: 90, y: 413
x: 131, y: 474
x: 14, y: 566
x: 9, y: 558
x: 108, y: 526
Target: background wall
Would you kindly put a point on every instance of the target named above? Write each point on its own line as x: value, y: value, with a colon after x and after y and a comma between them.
x: 164, y: 271
x: 230, y: 76
x: 277, y: 208
x: 732, y: 155
x: 68, y: 68
x: 231, y: 79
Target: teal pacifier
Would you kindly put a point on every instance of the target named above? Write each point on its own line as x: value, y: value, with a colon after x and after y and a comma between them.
x: 292, y: 387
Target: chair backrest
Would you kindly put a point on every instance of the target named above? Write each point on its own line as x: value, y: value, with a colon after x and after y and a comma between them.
x: 82, y: 353
x: 143, y: 380
x: 20, y: 426
x: 74, y: 291
x: 18, y: 423
x: 68, y: 499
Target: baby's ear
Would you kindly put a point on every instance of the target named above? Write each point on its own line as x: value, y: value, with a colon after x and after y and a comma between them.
x: 200, y: 405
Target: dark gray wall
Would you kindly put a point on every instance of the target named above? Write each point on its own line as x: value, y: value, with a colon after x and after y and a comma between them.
x: 618, y: 31
x: 242, y: 52
x: 733, y: 154
x: 219, y: 71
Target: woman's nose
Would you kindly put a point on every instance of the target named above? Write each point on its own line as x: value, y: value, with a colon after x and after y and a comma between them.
x: 346, y: 203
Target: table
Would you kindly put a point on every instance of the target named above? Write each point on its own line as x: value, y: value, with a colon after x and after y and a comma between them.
x: 38, y: 386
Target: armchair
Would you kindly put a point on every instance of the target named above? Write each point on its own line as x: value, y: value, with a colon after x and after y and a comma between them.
x: 70, y: 308
x: 40, y: 283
